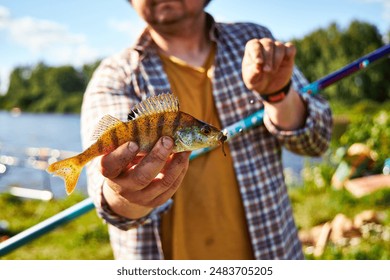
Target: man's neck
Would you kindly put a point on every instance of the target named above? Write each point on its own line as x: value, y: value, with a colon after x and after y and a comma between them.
x: 190, y: 43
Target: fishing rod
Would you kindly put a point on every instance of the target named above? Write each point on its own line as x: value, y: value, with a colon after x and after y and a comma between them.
x: 233, y: 130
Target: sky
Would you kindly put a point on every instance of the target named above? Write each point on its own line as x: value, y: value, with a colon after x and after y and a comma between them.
x: 76, y: 32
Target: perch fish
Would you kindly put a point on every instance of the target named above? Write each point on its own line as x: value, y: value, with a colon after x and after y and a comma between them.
x: 149, y: 120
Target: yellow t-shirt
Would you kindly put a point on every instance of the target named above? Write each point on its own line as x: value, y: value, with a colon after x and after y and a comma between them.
x: 207, y: 219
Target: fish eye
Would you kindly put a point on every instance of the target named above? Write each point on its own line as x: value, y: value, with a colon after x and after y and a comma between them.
x: 205, y: 129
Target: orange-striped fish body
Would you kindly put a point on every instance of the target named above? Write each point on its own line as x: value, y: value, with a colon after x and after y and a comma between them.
x: 149, y: 120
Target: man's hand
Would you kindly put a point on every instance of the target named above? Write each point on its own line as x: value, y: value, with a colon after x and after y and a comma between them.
x: 267, y: 65
x: 137, y: 184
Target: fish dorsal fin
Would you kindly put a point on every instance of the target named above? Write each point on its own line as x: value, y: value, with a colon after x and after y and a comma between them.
x: 155, y: 104
x: 104, y: 124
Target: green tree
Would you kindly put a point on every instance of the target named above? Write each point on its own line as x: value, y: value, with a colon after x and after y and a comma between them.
x: 47, y: 89
x: 88, y: 70
x: 64, y: 85
x: 17, y: 94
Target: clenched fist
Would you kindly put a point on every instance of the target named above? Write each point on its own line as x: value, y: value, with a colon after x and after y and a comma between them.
x: 267, y: 65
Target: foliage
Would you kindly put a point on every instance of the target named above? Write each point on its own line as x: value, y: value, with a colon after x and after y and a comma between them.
x: 374, y: 132
x: 327, y: 50
x: 316, y: 202
x: 47, y: 89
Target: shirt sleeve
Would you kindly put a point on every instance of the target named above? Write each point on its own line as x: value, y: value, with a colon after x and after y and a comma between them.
x: 314, y: 137
x: 108, y: 92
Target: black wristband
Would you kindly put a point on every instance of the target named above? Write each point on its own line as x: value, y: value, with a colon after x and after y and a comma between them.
x: 277, y: 96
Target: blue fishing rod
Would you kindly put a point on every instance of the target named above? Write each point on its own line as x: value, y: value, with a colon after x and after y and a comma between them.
x: 233, y: 130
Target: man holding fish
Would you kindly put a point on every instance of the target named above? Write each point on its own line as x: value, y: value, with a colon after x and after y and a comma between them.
x: 158, y: 204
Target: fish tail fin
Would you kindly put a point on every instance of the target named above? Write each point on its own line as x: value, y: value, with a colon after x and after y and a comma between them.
x: 69, y: 170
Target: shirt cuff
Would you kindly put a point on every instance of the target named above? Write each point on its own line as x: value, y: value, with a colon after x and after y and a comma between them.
x: 313, y: 138
x: 284, y: 135
x: 125, y: 223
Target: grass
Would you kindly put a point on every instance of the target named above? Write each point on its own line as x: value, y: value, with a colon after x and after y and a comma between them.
x: 84, y: 238
x: 313, y: 207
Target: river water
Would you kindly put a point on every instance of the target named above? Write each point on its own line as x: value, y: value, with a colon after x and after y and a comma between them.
x: 21, y: 132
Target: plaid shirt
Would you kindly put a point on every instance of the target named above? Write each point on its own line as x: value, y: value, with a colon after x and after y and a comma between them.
x: 123, y: 80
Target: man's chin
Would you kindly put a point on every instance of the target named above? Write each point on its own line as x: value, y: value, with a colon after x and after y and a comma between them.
x: 168, y: 18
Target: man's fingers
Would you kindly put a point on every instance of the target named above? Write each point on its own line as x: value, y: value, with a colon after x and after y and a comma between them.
x: 165, y: 185
x: 172, y: 171
x: 268, y: 49
x: 152, y: 163
x: 163, y: 197
x: 279, y: 55
x: 147, y: 169
x: 290, y: 51
x: 260, y: 55
x: 253, y: 52
x: 252, y: 62
x: 115, y: 162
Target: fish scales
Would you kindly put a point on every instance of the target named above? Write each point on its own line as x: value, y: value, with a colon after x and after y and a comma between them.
x: 155, y: 117
x: 112, y: 138
x: 146, y: 131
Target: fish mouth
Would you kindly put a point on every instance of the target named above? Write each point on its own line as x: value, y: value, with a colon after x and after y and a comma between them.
x: 222, y: 137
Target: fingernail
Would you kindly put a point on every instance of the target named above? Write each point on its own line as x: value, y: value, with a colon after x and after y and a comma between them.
x: 267, y: 68
x: 167, y: 142
x: 132, y: 146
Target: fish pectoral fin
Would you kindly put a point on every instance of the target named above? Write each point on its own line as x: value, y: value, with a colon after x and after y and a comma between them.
x: 104, y: 124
